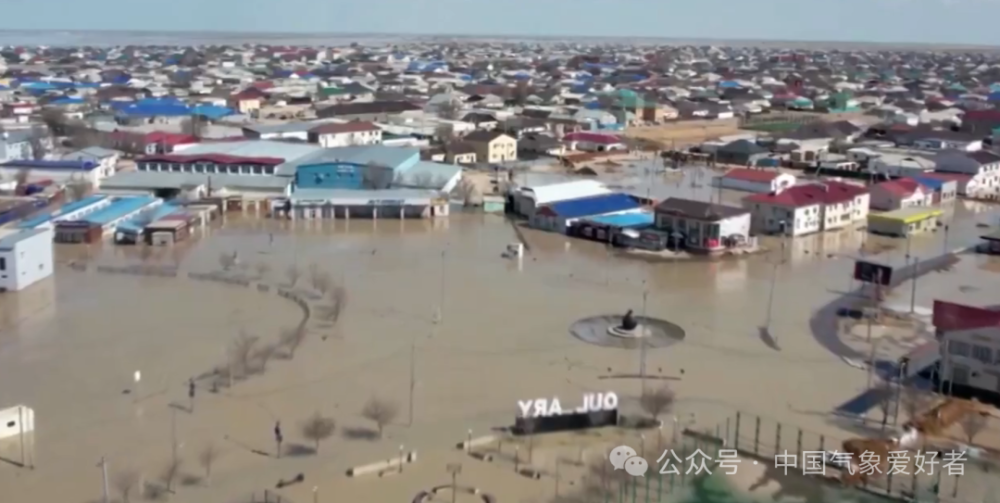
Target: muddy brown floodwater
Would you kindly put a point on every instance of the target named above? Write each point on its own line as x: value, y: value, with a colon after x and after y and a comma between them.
x: 69, y: 348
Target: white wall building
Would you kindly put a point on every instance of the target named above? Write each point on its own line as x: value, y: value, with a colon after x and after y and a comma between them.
x: 754, y: 180
x: 809, y: 208
x: 60, y: 172
x: 900, y: 165
x: 898, y: 194
x: 527, y: 199
x: 969, y: 339
x: 346, y: 135
x: 25, y: 258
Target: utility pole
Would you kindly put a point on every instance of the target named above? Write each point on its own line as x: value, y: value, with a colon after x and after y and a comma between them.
x: 642, y: 338
x: 945, y: 250
x: 104, y: 474
x: 173, y: 433
x: 413, y: 376
x: 444, y: 256
x: 913, y: 291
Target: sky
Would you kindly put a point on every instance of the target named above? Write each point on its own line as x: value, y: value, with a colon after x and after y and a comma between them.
x: 919, y: 21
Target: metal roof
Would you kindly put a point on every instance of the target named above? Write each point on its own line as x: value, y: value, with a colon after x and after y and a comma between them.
x: 428, y: 175
x: 393, y: 157
x: 390, y: 194
x: 9, y: 241
x: 118, y: 209
x: 149, y: 180
x: 61, y: 165
x: 545, y: 194
x: 290, y: 152
x: 638, y: 219
x: 597, y: 205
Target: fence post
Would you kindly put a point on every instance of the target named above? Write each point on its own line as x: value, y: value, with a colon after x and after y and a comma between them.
x: 822, y: 441
x: 727, y: 432
x: 798, y: 443
x: 756, y: 437
x: 777, y: 439
x: 736, y: 442
x: 888, y: 483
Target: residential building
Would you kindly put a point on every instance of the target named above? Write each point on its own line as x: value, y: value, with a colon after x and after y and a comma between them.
x: 741, y: 152
x: 984, y: 165
x: 481, y: 120
x: 904, y: 222
x: 969, y: 341
x: 558, y: 216
x: 492, y: 146
x: 59, y: 172
x: 754, y: 180
x: 808, y: 208
x: 942, y: 191
x: 900, y: 194
x: 460, y: 153
x: 106, y: 159
x: 526, y: 200
x: 25, y: 258
x: 247, y: 101
x: 16, y: 145
x: 896, y: 165
x: 374, y: 111
x: 974, y: 186
x: 537, y: 143
x: 345, y: 135
x: 593, y: 142
x: 703, y: 227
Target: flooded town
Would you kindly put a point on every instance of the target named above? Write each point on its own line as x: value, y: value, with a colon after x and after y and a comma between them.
x: 426, y: 271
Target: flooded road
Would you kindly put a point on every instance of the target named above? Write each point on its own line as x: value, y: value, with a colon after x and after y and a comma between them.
x: 69, y: 347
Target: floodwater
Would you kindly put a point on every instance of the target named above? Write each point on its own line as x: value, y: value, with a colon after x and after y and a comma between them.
x: 69, y: 348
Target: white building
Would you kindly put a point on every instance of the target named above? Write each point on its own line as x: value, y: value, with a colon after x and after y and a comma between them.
x: 346, y: 135
x: 527, y: 199
x: 754, y: 180
x: 969, y: 339
x: 59, y: 172
x: 899, y: 194
x: 805, y: 209
x: 106, y: 159
x: 983, y: 166
x: 25, y: 258
x: 899, y: 165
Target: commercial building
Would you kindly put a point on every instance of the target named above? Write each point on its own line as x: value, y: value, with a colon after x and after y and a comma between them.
x: 525, y: 200
x: 324, y: 203
x: 703, y: 227
x: 969, y: 341
x: 96, y: 225
x: 25, y: 258
x: 75, y: 210
x: 809, y: 208
x: 900, y: 194
x: 754, y: 180
x: 558, y: 216
x: 904, y: 222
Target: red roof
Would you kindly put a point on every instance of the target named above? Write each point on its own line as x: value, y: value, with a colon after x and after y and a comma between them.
x: 830, y: 192
x: 982, y: 115
x: 903, y: 187
x: 347, y: 127
x: 949, y: 316
x: 947, y: 177
x: 213, y: 158
x: 604, y: 139
x: 752, y: 175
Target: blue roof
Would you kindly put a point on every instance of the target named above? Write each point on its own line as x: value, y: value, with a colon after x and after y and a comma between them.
x: 212, y: 111
x: 118, y: 209
x: 37, y: 220
x: 158, y: 109
x: 154, y: 215
x: 41, y: 164
x: 593, y: 206
x: 66, y: 100
x: 929, y: 182
x: 630, y: 220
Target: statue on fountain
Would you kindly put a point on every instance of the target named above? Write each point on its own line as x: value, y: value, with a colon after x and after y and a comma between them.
x: 628, y: 322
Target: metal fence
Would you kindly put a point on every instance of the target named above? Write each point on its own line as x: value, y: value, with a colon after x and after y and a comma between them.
x: 777, y: 122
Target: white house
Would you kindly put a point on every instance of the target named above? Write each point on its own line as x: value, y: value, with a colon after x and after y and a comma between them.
x: 804, y: 209
x: 900, y: 165
x: 25, y: 258
x: 15, y: 145
x: 346, y: 134
x: 528, y: 199
x: 898, y: 194
x: 969, y: 339
x: 983, y: 165
x: 106, y: 159
x: 754, y: 180
x: 59, y: 172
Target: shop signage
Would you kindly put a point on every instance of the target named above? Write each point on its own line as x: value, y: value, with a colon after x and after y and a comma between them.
x: 548, y: 407
x: 386, y: 202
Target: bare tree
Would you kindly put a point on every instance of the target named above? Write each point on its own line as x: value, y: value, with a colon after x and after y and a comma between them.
x: 292, y: 338
x: 423, y: 180
x: 293, y: 273
x: 449, y: 109
x: 973, y: 424
x: 125, y: 482
x: 38, y: 148
x: 83, y: 137
x: 528, y: 430
x: 914, y: 401
x: 318, y: 428
x: 207, y: 458
x: 22, y: 177
x: 884, y: 395
x: 243, y: 349
x: 381, y: 412
x: 657, y: 401
x: 170, y: 473
x: 338, y: 303
x: 227, y: 260
x: 376, y: 177
x: 322, y: 282
x: 194, y: 126
x: 55, y: 120
x: 445, y: 133
x: 263, y: 268
x: 263, y: 355
x: 77, y: 189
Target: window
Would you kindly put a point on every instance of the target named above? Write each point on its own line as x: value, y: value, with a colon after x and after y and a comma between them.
x: 982, y: 354
x: 3, y: 263
x: 959, y: 348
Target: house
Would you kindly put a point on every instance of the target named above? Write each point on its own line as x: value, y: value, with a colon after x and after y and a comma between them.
x: 526, y: 200
x: 347, y: 134
x: 973, y: 186
x: 754, y: 180
x: 984, y: 165
x: 537, y: 143
x: 558, y: 216
x: 481, y: 120
x: 980, y: 122
x: 492, y: 146
x: 969, y: 341
x: 894, y: 165
x: 703, y: 227
x: 59, y: 172
x: 741, y: 152
x: 16, y: 145
x: 899, y: 194
x: 593, y: 142
x: 25, y: 258
x: 460, y: 153
x: 804, y: 209
x: 941, y: 139
x: 105, y: 159
x: 904, y: 222
x: 247, y: 101
x: 942, y: 191
x: 374, y: 111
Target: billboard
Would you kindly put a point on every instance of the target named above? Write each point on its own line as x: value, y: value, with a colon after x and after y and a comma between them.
x: 543, y: 415
x: 871, y: 272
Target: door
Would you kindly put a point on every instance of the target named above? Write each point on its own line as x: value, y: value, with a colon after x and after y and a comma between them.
x: 960, y: 375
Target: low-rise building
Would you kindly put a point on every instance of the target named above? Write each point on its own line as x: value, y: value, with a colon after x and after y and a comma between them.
x: 16, y: 145
x: 904, y: 222
x: 943, y: 192
x: 969, y: 341
x: 25, y: 258
x: 593, y: 142
x: 899, y: 194
x: 492, y: 146
x: 558, y: 216
x: 58, y: 172
x: 106, y: 159
x: 526, y: 200
x: 345, y: 135
x: 809, y: 208
x: 703, y: 227
x: 754, y: 180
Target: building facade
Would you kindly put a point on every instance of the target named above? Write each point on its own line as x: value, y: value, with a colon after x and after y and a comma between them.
x: 899, y: 194
x: 492, y: 146
x: 702, y: 226
x: 25, y: 258
x: 796, y: 210
x: 969, y: 340
x: 346, y: 134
